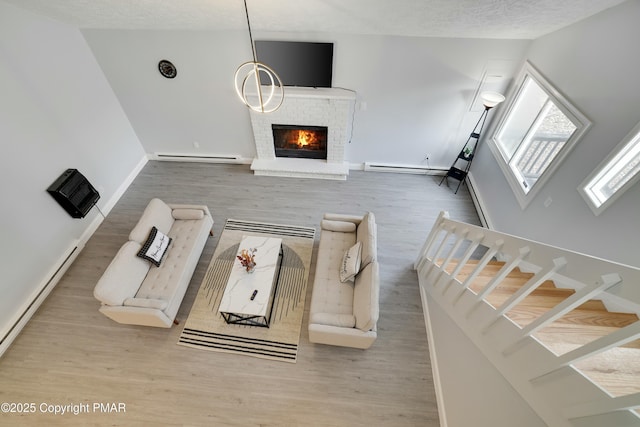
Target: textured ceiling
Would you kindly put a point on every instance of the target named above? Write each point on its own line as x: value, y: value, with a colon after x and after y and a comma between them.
x: 507, y: 19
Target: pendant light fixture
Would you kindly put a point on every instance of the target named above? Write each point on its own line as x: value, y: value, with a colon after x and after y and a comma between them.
x: 248, y: 76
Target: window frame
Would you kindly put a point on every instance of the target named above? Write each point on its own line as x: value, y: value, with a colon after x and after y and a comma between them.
x: 581, y: 122
x: 604, y: 167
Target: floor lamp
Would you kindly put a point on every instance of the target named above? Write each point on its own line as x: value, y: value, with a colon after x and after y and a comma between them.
x: 459, y: 171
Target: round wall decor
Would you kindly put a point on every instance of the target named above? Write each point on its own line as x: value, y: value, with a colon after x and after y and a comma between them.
x: 167, y: 69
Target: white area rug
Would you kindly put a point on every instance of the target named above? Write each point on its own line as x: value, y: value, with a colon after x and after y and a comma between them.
x: 206, y: 329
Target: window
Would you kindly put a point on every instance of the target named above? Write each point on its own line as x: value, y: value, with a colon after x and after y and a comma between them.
x: 614, y: 175
x: 535, y: 132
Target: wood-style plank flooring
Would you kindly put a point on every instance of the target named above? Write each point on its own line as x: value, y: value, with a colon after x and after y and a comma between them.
x: 69, y: 353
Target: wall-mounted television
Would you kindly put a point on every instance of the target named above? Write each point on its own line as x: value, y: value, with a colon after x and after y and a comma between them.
x: 306, y: 64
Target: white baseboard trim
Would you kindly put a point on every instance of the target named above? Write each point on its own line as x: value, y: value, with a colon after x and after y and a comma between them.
x: 476, y: 197
x: 45, y: 287
x: 401, y: 168
x: 200, y: 158
x: 53, y: 276
x: 435, y: 370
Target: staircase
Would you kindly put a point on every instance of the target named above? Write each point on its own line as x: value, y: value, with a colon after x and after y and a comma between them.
x: 556, y: 324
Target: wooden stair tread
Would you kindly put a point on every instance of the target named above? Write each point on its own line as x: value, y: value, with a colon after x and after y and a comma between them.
x: 617, y: 370
x: 623, y: 364
x: 568, y: 337
x: 587, y: 318
x: 540, y: 297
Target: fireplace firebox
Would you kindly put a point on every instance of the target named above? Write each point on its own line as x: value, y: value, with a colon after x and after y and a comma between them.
x: 308, y: 142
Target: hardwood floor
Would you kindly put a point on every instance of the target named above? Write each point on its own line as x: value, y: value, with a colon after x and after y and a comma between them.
x: 69, y: 353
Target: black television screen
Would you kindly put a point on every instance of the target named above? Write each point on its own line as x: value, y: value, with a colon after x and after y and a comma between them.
x: 306, y: 64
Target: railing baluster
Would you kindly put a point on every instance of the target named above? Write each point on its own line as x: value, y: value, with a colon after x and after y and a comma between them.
x: 537, y: 369
x: 565, y: 307
x: 486, y: 258
x: 460, y: 237
x: 435, y: 230
x: 475, y: 242
x: 531, y: 285
x: 504, y: 272
x: 449, y: 231
x: 604, y: 406
x: 499, y: 277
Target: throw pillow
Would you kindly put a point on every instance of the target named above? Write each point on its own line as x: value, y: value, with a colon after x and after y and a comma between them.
x: 350, y: 264
x: 155, y: 247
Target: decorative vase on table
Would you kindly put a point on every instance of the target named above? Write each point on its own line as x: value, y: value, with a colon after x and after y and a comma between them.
x: 247, y: 259
x: 251, y: 267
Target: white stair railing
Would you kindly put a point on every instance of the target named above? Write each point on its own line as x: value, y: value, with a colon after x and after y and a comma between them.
x: 549, y: 383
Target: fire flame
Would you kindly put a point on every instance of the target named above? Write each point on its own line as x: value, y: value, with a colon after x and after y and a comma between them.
x: 305, y: 138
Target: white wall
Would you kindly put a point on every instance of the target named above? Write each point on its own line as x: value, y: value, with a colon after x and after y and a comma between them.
x: 417, y: 90
x: 594, y: 63
x: 198, y: 105
x: 57, y: 111
x: 475, y: 393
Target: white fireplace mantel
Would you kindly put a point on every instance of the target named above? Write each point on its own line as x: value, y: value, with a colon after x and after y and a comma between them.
x: 330, y: 107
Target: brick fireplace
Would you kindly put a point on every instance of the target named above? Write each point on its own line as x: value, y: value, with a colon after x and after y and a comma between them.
x: 306, y: 107
x: 302, y: 142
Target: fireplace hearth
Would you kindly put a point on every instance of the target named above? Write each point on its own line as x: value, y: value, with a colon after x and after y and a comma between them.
x: 307, y: 142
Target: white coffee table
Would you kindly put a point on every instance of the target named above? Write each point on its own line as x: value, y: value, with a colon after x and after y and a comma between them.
x: 236, y: 305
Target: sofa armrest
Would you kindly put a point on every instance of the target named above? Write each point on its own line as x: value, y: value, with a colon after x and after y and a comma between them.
x: 366, y: 294
x: 344, y: 337
x: 137, y: 316
x: 356, y: 219
x: 332, y: 319
x: 158, y: 304
x: 187, y: 214
x: 202, y: 208
x: 156, y: 214
x: 123, y: 276
x: 338, y: 226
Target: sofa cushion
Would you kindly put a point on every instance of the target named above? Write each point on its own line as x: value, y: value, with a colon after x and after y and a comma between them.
x: 350, y: 264
x: 123, y: 276
x: 340, y: 226
x: 158, y: 214
x: 155, y: 247
x: 186, y: 214
x: 366, y: 234
x: 329, y: 295
x: 365, y: 297
x: 161, y: 282
x: 331, y: 319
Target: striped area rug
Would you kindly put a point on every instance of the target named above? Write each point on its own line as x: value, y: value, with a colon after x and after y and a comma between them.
x: 205, y: 327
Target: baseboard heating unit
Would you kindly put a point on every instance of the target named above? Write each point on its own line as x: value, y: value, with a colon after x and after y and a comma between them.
x: 23, y: 316
x: 395, y: 168
x: 204, y: 158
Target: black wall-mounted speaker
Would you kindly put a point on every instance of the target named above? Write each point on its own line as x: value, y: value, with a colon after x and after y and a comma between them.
x: 74, y: 193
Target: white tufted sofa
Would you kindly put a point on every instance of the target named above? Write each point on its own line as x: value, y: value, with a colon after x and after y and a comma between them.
x: 132, y: 290
x: 345, y: 314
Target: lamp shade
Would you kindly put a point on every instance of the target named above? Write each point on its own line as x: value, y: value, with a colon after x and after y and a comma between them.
x: 491, y: 99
